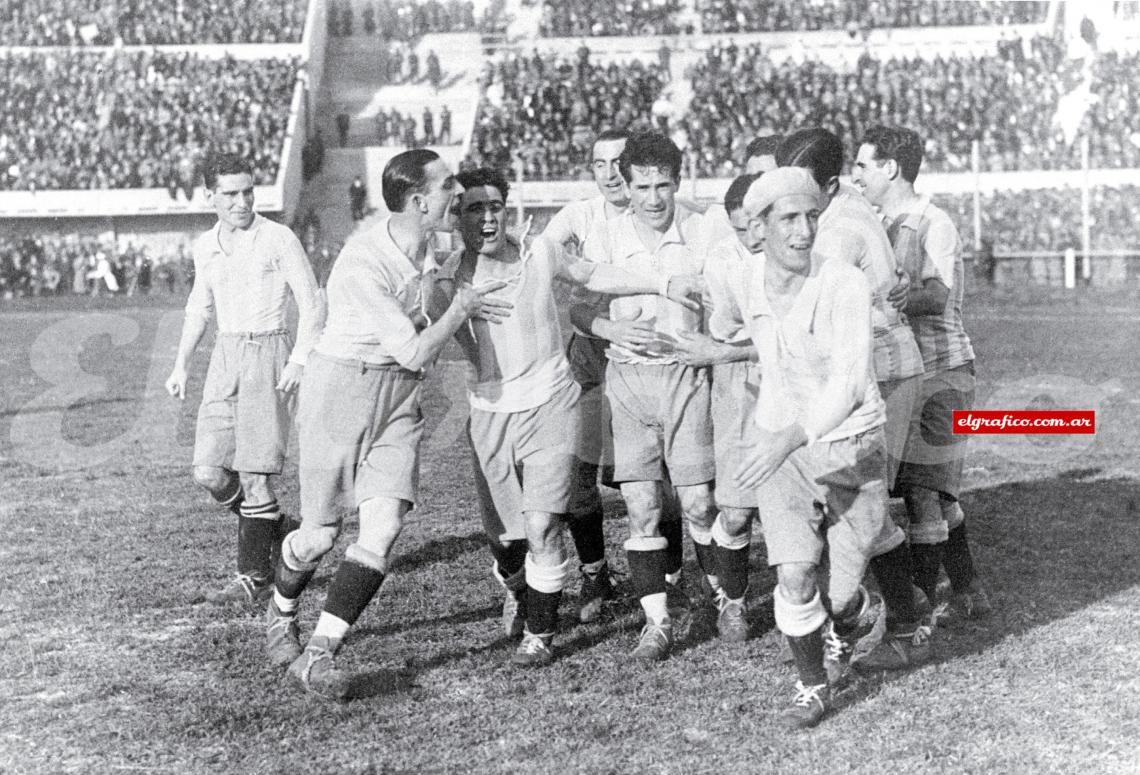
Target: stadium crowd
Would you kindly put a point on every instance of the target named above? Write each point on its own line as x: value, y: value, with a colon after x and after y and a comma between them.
x: 56, y: 264
x: 407, y: 20
x: 81, y: 120
x: 732, y: 16
x: 146, y: 22
x: 545, y: 110
x: 1002, y: 100
x: 597, y: 18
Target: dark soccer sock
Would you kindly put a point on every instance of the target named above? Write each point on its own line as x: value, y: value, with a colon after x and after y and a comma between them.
x: 647, y: 571
x: 352, y: 589
x: 542, y: 611
x: 290, y: 582
x: 675, y: 535
x: 232, y: 497
x: 958, y: 561
x: 589, y: 538
x: 511, y: 557
x: 732, y: 570
x: 927, y: 561
x: 846, y: 620
x: 895, y: 575
x: 808, y: 653
x: 257, y: 535
x: 706, y: 558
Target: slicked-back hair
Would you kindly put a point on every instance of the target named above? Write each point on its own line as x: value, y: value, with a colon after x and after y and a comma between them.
x: 734, y: 197
x: 766, y: 145
x: 898, y: 143
x: 650, y: 149
x: 219, y: 164
x: 485, y: 176
x: 405, y: 174
x: 611, y: 134
x: 816, y: 150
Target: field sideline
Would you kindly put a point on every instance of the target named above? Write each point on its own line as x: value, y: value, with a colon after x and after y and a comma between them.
x: 107, y: 666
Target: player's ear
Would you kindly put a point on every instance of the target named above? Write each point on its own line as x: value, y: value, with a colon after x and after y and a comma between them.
x: 831, y: 187
x: 892, y: 169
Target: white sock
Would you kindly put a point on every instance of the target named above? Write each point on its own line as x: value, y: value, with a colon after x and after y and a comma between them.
x: 332, y: 627
x: 285, y: 605
x: 654, y: 607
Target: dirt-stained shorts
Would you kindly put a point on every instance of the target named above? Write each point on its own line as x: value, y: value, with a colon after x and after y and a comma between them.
x: 359, y: 427
x: 526, y: 460
x: 661, y: 418
x: 934, y: 456
x: 243, y: 420
x: 829, y: 491
x: 735, y: 387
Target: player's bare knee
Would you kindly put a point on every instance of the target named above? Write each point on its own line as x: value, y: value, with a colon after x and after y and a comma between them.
x: 697, y: 505
x: 643, y: 502
x: 217, y: 480
x: 310, y: 543
x: 736, y: 522
x: 543, y: 533
x: 797, y: 582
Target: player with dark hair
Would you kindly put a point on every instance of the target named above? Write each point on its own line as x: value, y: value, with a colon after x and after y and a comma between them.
x: 760, y: 155
x: 928, y: 247
x: 359, y: 421
x: 817, y: 461
x: 246, y: 267
x: 523, y: 397
x: 660, y: 406
x: 850, y: 232
x: 574, y: 224
x: 735, y: 384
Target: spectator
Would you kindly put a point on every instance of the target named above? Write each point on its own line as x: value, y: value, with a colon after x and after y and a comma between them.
x: 585, y: 18
x: 358, y: 198
x: 343, y: 122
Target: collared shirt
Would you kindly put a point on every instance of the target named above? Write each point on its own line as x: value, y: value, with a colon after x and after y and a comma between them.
x: 928, y: 246
x: 727, y: 273
x: 850, y: 230
x: 248, y: 289
x: 519, y: 362
x: 795, y: 354
x: 681, y: 250
x: 375, y: 293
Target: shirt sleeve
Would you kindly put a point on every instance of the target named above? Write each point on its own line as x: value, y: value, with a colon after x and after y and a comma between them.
x: 724, y: 317
x: 942, y: 247
x: 200, y: 303
x: 562, y: 227
x: 302, y: 282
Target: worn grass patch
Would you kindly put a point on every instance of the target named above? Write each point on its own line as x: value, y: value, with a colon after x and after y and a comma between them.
x: 105, y: 665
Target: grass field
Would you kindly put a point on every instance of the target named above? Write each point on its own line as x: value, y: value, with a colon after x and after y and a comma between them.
x: 107, y: 666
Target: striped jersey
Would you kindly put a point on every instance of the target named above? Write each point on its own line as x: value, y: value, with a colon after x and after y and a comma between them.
x: 850, y: 231
x: 518, y: 363
x: 928, y: 246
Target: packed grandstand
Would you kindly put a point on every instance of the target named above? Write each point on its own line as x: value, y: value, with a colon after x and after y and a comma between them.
x: 131, y: 96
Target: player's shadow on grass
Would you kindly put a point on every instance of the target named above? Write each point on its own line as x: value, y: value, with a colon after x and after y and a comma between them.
x: 1044, y: 550
x: 441, y: 550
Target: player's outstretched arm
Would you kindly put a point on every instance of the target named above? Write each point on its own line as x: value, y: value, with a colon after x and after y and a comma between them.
x: 697, y: 349
x: 467, y: 303
x: 302, y: 282
x: 199, y: 312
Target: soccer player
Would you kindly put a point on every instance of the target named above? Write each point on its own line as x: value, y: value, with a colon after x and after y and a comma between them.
x: 817, y: 461
x: 359, y: 418
x: 577, y: 223
x: 929, y: 249
x: 245, y: 269
x: 659, y: 406
x: 760, y: 155
x: 523, y: 397
x: 735, y: 385
x: 850, y: 232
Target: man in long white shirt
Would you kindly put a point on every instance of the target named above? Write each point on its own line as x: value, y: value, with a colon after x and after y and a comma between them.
x: 245, y: 270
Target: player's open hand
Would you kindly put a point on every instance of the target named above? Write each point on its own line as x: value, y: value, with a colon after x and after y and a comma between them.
x: 897, y: 296
x: 696, y: 349
x: 176, y: 383
x: 478, y: 303
x: 764, y: 454
x: 635, y: 335
x: 290, y: 377
x: 687, y: 290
